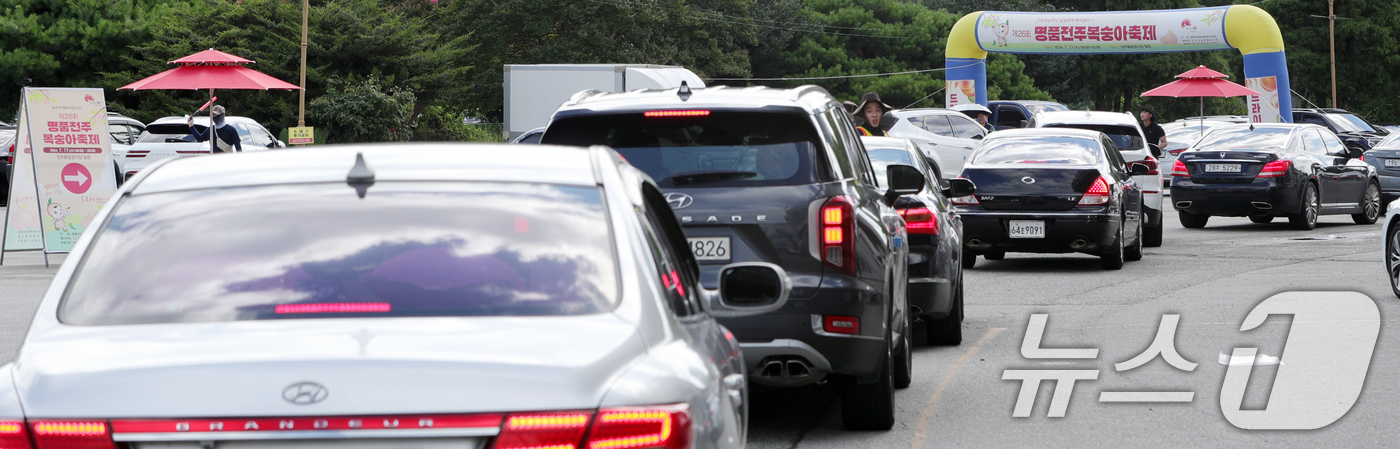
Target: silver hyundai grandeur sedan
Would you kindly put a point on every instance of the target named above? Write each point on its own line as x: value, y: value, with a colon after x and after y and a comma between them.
x: 404, y: 296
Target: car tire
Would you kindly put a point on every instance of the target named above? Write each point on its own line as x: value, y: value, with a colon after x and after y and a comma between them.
x: 869, y: 406
x: 1112, y: 258
x: 1306, y: 219
x: 994, y: 255
x: 947, y: 331
x: 904, y: 357
x: 1261, y: 219
x: 1392, y: 257
x: 969, y: 259
x: 1371, y: 205
x: 1134, y: 253
x: 1152, y: 236
x: 1193, y: 221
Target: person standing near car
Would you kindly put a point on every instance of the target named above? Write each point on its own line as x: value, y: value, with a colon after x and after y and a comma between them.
x: 1150, y: 129
x: 227, y: 141
x: 872, y: 109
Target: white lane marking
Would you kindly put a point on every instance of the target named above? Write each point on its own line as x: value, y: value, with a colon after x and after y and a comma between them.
x: 1259, y: 360
x: 921, y: 432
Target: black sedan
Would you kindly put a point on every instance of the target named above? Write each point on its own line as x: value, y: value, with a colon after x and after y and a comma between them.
x: 935, y: 239
x: 1267, y: 170
x: 1385, y: 157
x: 1051, y: 190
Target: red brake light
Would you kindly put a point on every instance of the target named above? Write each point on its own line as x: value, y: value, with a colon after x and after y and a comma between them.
x: 919, y: 220
x: 641, y: 427
x: 840, y: 324
x: 1176, y: 151
x: 682, y: 113
x: 1097, y: 194
x: 13, y: 436
x: 1151, y: 163
x: 334, y: 307
x: 543, y: 430
x: 838, y: 235
x: 71, y: 435
x: 1179, y: 169
x: 1275, y: 169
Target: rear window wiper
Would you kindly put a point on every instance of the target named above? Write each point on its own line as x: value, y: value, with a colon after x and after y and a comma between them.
x: 706, y: 176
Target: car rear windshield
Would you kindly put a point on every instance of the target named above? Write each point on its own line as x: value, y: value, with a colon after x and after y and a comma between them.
x: 1350, y: 122
x: 883, y: 159
x: 1245, y: 138
x: 1037, y: 150
x: 321, y: 251
x: 1039, y: 108
x: 705, y: 148
x: 1126, y: 138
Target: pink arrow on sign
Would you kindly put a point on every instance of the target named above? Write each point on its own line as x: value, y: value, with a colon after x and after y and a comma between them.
x: 76, y: 178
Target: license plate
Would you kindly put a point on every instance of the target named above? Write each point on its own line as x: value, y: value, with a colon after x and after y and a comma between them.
x: 1222, y: 168
x: 1392, y: 162
x: 710, y: 248
x: 1027, y: 229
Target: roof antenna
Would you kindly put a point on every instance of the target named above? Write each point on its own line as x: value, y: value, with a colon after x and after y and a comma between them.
x: 684, y: 91
x: 360, y: 177
x: 1251, y: 126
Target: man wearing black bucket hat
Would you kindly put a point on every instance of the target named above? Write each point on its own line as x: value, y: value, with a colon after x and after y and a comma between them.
x: 871, y: 109
x: 228, y: 140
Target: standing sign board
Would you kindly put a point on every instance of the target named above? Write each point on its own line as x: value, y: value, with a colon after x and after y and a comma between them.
x: 72, y: 160
x: 301, y: 135
x: 21, y: 224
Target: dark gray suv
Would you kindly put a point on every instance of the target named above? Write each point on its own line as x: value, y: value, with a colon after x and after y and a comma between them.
x: 778, y: 175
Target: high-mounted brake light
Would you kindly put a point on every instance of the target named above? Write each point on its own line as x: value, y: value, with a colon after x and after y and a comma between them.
x: 335, y: 307
x: 680, y: 113
x: 919, y: 220
x: 1275, y: 169
x: 1179, y: 169
x: 641, y: 427
x: 71, y: 434
x: 837, y: 233
x: 1097, y: 194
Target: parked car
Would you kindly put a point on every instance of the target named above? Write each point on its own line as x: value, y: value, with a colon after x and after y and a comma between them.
x: 531, y: 136
x: 1267, y: 170
x: 1181, y: 134
x: 124, y: 131
x: 935, y: 239
x: 1351, y: 128
x: 1058, y: 190
x: 1011, y: 114
x: 1127, y: 135
x: 1390, y: 241
x: 944, y: 135
x: 466, y: 296
x: 1385, y: 157
x: 778, y: 176
x: 170, y: 137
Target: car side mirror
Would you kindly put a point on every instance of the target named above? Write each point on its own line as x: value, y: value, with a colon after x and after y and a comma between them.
x: 749, y: 288
x: 1354, y: 152
x: 1156, y: 150
x: 904, y: 180
x: 1025, y: 123
x: 1138, y: 169
x: 959, y: 187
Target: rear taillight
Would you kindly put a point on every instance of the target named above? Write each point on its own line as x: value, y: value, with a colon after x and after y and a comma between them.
x: 969, y: 200
x: 841, y: 324
x: 919, y: 220
x: 1179, y: 169
x: 1275, y: 169
x: 1176, y: 151
x: 666, y: 427
x: 1151, y: 163
x: 13, y: 436
x: 1097, y: 194
x: 71, y: 435
x: 837, y: 236
x: 543, y: 430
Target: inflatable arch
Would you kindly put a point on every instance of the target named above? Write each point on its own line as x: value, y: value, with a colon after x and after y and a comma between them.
x: 1247, y: 28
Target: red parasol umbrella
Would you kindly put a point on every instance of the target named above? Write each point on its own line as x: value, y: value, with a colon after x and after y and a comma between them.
x: 210, y: 69
x: 1200, y: 82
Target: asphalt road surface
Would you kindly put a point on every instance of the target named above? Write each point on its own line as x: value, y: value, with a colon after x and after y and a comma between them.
x: 1210, y: 277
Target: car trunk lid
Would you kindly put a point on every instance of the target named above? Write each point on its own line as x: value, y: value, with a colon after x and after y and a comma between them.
x: 1039, y: 188
x: 1226, y: 167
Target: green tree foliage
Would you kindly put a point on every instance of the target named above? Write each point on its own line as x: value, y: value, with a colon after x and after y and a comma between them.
x: 887, y: 36
x: 362, y: 110
x: 64, y: 43
x: 1368, y: 54
x: 710, y: 37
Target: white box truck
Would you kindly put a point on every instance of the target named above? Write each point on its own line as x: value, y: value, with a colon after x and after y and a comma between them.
x: 535, y: 91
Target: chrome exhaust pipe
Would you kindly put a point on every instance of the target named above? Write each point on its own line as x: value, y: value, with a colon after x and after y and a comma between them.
x: 787, y: 371
x: 1262, y: 205
x: 1183, y: 204
x: 1079, y: 244
x: 773, y: 368
x: 797, y: 369
x: 974, y: 243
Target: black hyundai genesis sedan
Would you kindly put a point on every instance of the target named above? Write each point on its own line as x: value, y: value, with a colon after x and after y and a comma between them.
x: 1267, y: 170
x: 1051, y: 190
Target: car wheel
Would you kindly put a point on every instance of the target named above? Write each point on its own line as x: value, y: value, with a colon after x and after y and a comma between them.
x: 1392, y: 258
x: 1193, y: 221
x: 1152, y: 236
x: 904, y: 358
x: 1261, y: 219
x: 1112, y: 258
x: 1134, y: 253
x: 869, y: 406
x: 968, y: 259
x: 1371, y: 204
x: 947, y: 330
x: 1307, y: 218
x: 994, y: 255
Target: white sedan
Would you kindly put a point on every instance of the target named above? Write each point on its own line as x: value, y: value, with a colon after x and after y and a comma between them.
x: 391, y: 296
x: 170, y: 137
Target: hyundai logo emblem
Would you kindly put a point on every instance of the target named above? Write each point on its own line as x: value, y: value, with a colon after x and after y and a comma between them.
x: 304, y: 393
x: 1028, y: 180
x: 679, y: 200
